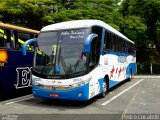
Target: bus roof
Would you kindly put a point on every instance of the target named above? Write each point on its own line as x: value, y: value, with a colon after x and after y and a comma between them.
x: 82, y: 24
x: 13, y: 27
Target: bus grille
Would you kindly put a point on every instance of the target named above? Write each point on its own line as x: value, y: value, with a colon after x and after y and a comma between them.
x: 54, y: 87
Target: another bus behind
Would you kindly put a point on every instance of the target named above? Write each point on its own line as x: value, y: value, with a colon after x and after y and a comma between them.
x: 15, y: 69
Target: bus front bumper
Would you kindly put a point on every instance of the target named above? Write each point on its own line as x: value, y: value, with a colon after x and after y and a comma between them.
x: 78, y: 94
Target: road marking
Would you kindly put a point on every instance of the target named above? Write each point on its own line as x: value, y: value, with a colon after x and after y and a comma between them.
x: 113, y: 98
x: 8, y: 103
x: 130, y: 103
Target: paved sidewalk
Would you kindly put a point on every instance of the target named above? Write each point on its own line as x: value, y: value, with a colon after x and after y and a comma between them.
x: 146, y: 76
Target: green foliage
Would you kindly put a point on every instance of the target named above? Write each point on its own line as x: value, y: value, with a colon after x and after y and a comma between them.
x: 37, y: 13
x: 105, y: 10
x: 26, y: 12
x: 149, y: 12
x: 134, y: 29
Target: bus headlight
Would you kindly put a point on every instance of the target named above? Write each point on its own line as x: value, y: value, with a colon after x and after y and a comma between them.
x: 79, y: 84
x: 76, y: 85
x: 87, y: 80
x: 35, y: 80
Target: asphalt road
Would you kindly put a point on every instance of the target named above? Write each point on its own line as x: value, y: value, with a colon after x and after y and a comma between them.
x: 140, y: 96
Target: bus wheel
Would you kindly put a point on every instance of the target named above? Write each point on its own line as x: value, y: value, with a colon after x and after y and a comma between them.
x: 104, y: 89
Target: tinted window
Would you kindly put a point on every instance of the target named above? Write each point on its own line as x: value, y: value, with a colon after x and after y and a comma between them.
x: 13, y: 39
x: 107, y: 41
x: 2, y: 40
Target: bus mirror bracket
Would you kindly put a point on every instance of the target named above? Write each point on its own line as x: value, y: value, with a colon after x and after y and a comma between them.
x: 87, y: 45
x: 25, y: 45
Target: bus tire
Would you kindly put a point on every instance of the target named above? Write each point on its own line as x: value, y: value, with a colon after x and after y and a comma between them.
x: 104, y: 88
x: 130, y: 75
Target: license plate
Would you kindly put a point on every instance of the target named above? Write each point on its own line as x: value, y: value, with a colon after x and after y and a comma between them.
x: 54, y: 95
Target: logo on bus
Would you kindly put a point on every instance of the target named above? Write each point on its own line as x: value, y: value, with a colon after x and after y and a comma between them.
x: 24, y: 77
x: 3, y: 57
x: 122, y: 59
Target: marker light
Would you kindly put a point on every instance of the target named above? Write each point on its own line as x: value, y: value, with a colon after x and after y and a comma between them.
x: 80, y: 94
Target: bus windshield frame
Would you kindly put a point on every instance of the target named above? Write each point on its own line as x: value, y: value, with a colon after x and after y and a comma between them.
x: 63, y: 49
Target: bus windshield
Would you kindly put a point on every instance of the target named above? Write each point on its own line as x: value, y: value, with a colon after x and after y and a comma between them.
x: 64, y: 49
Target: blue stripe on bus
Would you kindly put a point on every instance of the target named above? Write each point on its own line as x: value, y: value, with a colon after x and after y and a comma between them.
x: 72, y: 94
x: 133, y: 67
x: 112, y: 83
x: 101, y: 84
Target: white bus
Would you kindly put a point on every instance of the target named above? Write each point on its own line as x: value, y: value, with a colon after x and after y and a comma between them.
x: 80, y: 59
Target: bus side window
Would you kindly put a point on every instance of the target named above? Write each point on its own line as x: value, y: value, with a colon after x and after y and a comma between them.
x: 15, y: 40
x: 107, y: 41
x: 22, y: 36
x: 117, y: 45
x: 120, y: 44
x: 129, y: 48
x: 96, y: 45
x: 2, y: 40
x: 114, y: 41
x: 8, y: 40
x: 124, y: 46
x: 12, y: 39
x: 133, y: 49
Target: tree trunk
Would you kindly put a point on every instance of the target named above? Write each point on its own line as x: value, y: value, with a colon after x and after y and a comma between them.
x: 157, y: 45
x: 153, y: 37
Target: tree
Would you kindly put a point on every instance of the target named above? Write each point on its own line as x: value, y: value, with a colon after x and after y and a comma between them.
x: 105, y: 10
x: 37, y: 13
x: 149, y: 11
x: 28, y: 13
x: 134, y: 29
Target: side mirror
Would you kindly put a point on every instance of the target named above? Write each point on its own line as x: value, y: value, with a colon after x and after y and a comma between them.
x: 87, y: 45
x: 25, y: 45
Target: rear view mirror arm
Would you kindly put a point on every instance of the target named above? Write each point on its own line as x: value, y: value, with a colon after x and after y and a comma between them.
x: 24, y: 47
